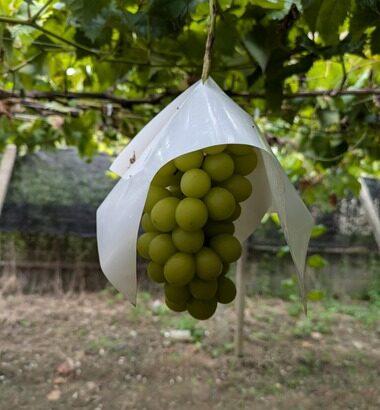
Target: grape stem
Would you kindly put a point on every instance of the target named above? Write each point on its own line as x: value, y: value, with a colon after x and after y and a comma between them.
x: 209, y: 41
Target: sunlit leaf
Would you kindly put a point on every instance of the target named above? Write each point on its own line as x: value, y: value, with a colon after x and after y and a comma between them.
x: 316, y: 261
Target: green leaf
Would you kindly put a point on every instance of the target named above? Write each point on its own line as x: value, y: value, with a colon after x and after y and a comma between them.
x: 316, y: 295
x: 329, y: 117
x: 269, y: 4
x: 275, y: 219
x: 375, y: 41
x: 324, y: 75
x: 316, y: 261
x: 365, y: 15
x: 284, y: 250
x: 163, y: 17
x: 259, y: 46
x: 317, y: 231
x: 311, y: 9
x: 330, y: 17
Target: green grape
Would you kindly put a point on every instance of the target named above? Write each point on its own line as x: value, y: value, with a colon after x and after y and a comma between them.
x: 202, y: 309
x: 239, y: 186
x: 208, y: 264
x: 146, y: 223
x: 189, y: 242
x: 168, y: 169
x: 195, y: 183
x: 213, y: 228
x: 162, y: 181
x: 215, y: 149
x: 245, y: 164
x: 161, y: 248
x: 220, y: 203
x: 226, y: 290
x: 155, y: 193
x: 143, y: 243
x: 202, y: 289
x: 189, y: 161
x: 235, y: 215
x: 179, y: 269
x: 191, y: 214
x: 219, y: 166
x: 227, y: 247
x: 156, y: 272
x: 176, y: 178
x: 240, y: 149
x: 175, y: 190
x: 166, y: 179
x: 163, y: 214
x: 164, y: 175
x: 176, y: 307
x: 177, y: 294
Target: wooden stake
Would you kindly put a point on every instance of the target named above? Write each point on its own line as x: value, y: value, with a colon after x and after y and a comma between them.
x: 6, y: 167
x: 240, y: 303
x: 369, y: 207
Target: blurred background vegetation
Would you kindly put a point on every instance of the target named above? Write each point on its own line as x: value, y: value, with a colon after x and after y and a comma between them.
x: 78, y: 80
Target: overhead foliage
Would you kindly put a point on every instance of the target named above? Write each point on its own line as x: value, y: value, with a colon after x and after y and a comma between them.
x: 92, y: 73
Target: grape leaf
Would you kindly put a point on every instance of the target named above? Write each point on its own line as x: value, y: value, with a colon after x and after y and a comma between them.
x: 375, y: 41
x: 260, y: 42
x: 316, y: 295
x: 269, y: 4
x: 330, y: 17
x: 311, y: 9
x: 318, y: 230
x: 316, y: 261
x: 365, y: 14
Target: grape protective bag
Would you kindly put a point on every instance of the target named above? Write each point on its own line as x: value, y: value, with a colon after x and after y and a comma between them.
x: 200, y: 117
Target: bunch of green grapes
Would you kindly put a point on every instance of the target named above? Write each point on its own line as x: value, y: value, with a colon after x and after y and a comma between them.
x: 188, y: 225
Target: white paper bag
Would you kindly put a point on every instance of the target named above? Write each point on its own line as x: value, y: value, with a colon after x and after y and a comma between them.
x: 200, y: 117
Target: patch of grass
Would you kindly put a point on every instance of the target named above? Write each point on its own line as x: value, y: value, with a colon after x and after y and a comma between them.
x: 175, y: 357
x: 144, y: 297
x: 368, y: 314
x: 295, y: 309
x: 142, y: 308
x: 24, y: 323
x: 103, y: 342
x: 221, y: 350
x: 82, y: 332
x: 267, y: 389
x: 112, y: 295
x: 135, y: 313
x: 315, y: 322
x: 266, y: 336
x: 185, y: 322
x: 163, y: 311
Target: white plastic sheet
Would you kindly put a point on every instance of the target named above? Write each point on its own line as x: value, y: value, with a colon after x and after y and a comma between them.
x: 200, y: 117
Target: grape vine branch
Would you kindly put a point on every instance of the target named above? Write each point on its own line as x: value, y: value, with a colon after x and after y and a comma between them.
x: 20, y: 96
x: 209, y: 42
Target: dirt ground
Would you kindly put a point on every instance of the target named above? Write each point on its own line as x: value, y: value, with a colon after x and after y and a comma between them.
x: 95, y: 351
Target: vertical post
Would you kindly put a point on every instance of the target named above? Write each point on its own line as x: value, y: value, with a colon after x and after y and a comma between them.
x: 6, y: 167
x: 240, y: 302
x: 370, y: 209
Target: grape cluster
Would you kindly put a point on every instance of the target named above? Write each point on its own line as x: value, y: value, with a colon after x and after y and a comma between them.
x: 188, y: 226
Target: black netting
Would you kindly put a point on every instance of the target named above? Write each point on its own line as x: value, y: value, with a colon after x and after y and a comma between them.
x: 58, y: 193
